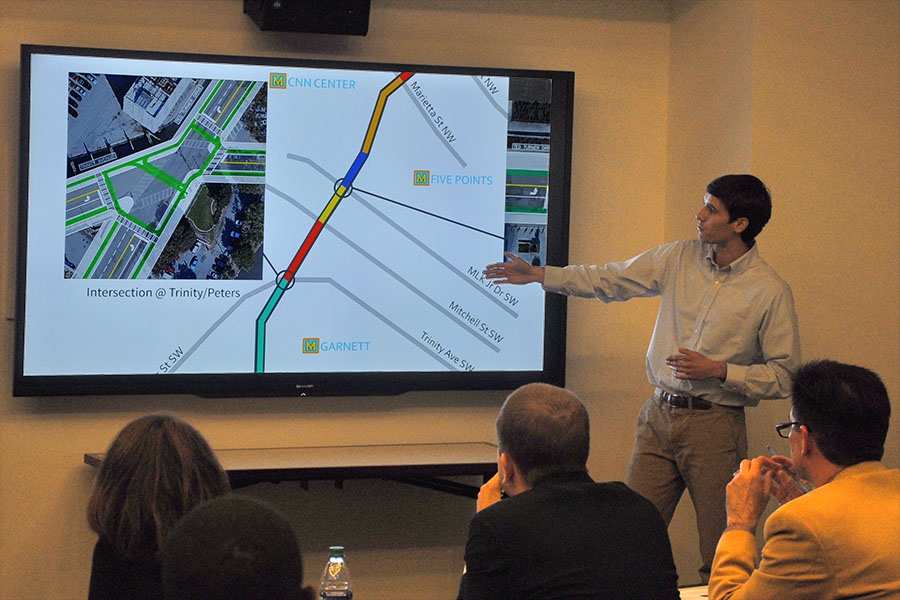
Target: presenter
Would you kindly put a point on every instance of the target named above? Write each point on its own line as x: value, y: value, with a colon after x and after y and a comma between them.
x: 726, y: 337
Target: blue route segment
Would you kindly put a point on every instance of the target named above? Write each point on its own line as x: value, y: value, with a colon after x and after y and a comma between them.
x: 353, y: 171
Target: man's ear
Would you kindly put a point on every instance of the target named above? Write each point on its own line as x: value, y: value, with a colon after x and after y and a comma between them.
x: 740, y: 224
x: 507, y: 470
x: 512, y: 481
x: 807, y: 443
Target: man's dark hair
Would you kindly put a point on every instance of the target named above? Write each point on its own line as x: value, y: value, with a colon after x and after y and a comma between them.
x: 846, y: 409
x: 544, y: 429
x: 233, y: 548
x: 744, y: 196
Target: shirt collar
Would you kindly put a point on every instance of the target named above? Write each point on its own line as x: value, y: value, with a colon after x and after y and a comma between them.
x: 738, y: 266
x: 863, y: 468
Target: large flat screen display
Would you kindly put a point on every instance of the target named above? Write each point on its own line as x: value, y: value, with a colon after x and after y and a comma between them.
x: 236, y: 226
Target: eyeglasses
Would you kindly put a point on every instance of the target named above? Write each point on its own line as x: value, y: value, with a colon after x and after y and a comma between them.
x: 780, y: 428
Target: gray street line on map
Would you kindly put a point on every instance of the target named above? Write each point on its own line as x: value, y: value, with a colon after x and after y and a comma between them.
x: 379, y: 316
x: 326, y: 280
x: 396, y: 276
x: 422, y: 246
x: 489, y: 96
x: 219, y: 322
x: 433, y: 125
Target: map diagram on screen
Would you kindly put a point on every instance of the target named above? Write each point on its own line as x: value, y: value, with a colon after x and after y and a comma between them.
x: 311, y: 220
x: 164, y: 172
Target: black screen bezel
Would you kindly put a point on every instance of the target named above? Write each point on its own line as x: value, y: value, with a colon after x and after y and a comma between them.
x: 254, y: 385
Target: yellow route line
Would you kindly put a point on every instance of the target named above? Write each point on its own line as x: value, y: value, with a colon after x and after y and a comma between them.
x: 376, y: 114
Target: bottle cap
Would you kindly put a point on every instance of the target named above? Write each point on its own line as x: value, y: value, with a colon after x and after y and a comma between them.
x: 335, y: 552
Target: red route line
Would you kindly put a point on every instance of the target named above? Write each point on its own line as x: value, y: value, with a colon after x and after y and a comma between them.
x: 317, y: 227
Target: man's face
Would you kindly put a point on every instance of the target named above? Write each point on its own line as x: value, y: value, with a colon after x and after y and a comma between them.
x: 713, y: 226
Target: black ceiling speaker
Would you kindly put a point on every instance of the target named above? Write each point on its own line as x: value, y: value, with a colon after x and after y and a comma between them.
x: 345, y: 17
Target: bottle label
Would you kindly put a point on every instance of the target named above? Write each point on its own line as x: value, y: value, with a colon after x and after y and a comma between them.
x: 336, y: 595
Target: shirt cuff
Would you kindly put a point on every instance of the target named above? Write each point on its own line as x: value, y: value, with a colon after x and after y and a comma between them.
x: 552, y: 278
x: 735, y: 378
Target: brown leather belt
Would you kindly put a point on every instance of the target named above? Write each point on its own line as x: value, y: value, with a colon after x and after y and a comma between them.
x: 691, y: 402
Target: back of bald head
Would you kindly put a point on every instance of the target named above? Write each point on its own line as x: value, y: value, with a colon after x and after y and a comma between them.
x: 544, y: 429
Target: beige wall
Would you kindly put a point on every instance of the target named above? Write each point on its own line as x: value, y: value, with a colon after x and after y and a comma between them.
x: 805, y: 94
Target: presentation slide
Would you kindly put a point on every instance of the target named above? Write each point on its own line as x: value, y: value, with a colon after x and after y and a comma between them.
x: 190, y: 217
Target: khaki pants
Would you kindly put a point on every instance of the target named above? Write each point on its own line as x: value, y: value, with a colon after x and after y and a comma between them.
x: 678, y: 448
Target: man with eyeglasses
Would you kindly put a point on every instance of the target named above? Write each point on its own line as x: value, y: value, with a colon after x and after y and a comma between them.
x: 840, y: 540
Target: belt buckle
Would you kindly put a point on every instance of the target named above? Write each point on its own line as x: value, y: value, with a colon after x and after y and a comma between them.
x: 670, y: 399
x: 687, y: 402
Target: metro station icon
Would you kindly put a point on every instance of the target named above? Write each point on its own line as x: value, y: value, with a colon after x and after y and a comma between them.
x: 278, y: 81
x: 310, y: 345
x: 421, y: 177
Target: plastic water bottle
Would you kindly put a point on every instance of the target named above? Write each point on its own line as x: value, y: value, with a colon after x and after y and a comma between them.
x: 336, y: 577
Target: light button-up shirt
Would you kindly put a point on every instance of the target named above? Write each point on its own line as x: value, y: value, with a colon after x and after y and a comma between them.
x: 742, y: 314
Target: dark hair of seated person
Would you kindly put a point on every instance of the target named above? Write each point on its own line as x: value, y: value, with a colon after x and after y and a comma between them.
x: 233, y: 548
x: 156, y: 470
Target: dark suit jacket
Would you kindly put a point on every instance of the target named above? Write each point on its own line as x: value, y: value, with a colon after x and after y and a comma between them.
x: 569, y: 537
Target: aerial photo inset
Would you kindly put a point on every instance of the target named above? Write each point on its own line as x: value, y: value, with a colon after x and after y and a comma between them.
x: 165, y: 177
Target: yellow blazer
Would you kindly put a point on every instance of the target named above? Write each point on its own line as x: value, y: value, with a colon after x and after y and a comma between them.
x: 841, y: 540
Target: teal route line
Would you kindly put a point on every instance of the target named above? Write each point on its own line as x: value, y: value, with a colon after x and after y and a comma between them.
x: 286, y: 279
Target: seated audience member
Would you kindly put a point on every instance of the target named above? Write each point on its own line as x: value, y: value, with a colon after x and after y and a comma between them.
x: 840, y: 540
x: 233, y: 548
x: 559, y: 534
x: 157, y: 469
